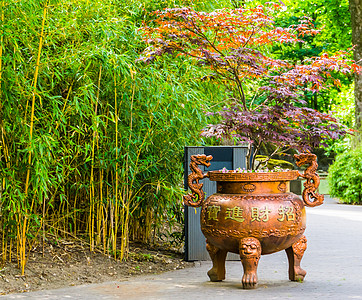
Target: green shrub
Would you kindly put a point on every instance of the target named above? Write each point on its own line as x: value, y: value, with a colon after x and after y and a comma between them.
x: 345, y: 177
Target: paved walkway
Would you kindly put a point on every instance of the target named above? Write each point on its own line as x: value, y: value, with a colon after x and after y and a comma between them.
x: 333, y: 261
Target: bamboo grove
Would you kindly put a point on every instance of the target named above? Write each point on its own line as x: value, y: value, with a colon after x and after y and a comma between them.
x: 91, y: 141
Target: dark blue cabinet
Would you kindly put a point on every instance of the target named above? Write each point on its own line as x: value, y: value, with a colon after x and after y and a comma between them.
x: 230, y: 157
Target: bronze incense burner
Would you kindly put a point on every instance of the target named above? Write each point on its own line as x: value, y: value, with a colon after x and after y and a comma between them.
x: 252, y: 214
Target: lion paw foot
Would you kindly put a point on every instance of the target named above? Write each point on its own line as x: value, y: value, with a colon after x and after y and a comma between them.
x: 249, y: 281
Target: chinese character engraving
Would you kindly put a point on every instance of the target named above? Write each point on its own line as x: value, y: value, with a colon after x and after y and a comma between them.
x: 258, y: 214
x: 212, y: 212
x: 286, y: 213
x: 235, y: 213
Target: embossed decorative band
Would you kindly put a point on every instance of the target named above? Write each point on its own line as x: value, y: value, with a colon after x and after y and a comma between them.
x: 272, y: 176
x: 231, y: 233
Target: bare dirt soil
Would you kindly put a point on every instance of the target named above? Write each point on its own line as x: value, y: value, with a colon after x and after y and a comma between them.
x: 67, y: 264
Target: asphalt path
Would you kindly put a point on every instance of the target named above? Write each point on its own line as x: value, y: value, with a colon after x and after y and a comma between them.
x: 333, y: 262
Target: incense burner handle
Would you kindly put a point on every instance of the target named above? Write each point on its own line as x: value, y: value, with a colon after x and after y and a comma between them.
x: 197, y: 197
x: 312, y: 179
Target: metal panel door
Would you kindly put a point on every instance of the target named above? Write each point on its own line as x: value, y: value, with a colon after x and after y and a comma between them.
x: 230, y: 157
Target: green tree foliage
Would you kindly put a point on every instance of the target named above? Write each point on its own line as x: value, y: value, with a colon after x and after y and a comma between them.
x: 345, y: 176
x: 355, y: 8
x: 333, y: 18
x: 344, y: 111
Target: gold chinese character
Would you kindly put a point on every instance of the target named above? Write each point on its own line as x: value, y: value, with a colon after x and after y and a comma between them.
x: 258, y: 214
x: 235, y: 213
x: 212, y: 212
x: 286, y: 213
x: 255, y: 214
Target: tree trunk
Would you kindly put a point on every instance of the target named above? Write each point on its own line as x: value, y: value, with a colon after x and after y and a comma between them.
x: 355, y: 8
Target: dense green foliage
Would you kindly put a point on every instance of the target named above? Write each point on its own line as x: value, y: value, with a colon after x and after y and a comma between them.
x: 331, y: 15
x: 345, y: 176
x: 333, y: 18
x: 91, y: 141
x: 344, y: 110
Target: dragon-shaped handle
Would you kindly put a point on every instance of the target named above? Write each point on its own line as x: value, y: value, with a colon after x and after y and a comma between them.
x: 196, y: 198
x: 312, y: 182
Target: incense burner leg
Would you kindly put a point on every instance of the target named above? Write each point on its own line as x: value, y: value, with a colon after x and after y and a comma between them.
x: 218, y: 257
x: 250, y: 252
x: 295, y: 255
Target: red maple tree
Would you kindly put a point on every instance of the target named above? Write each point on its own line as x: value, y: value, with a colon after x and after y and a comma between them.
x: 235, y: 45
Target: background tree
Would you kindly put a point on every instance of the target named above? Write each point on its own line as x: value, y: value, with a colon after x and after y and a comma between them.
x: 333, y: 17
x: 355, y: 7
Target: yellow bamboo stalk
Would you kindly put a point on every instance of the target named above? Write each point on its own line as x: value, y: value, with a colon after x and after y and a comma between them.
x: 110, y: 220
x: 125, y: 231
x: 104, y: 207
x: 98, y: 223
x: 104, y: 229
x: 67, y: 215
x: 10, y: 249
x: 18, y: 233
x: 126, y: 195
x: 92, y: 194
x: 36, y: 73
x: 43, y: 225
x: 112, y: 229
x: 75, y: 214
x: 5, y: 149
x: 114, y: 208
x: 4, y: 247
x: 100, y: 217
x: 90, y: 217
x: 1, y: 45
